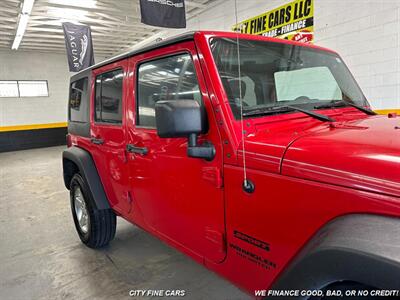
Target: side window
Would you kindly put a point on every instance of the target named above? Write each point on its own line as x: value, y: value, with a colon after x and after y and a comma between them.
x: 108, y: 100
x: 170, y: 78
x: 78, y: 101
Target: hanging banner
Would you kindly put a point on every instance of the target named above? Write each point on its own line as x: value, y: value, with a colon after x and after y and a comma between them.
x: 78, y: 41
x: 163, y: 13
x: 293, y: 21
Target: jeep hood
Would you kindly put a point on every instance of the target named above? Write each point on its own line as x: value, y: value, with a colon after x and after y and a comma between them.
x: 362, y: 154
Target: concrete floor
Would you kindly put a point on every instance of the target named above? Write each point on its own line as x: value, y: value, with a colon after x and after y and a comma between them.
x: 41, y: 256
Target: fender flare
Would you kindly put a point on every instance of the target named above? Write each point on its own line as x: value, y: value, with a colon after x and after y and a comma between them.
x: 362, y: 248
x: 87, y: 168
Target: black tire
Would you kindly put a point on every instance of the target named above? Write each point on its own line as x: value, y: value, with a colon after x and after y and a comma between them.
x: 100, y: 225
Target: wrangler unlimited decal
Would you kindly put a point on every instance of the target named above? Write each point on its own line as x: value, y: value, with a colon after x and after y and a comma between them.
x: 257, y: 259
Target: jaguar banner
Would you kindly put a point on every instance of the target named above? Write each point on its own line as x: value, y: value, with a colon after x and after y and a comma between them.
x: 293, y: 21
x: 78, y: 41
x: 163, y: 13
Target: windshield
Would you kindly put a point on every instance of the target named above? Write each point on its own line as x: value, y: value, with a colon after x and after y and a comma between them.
x: 276, y: 75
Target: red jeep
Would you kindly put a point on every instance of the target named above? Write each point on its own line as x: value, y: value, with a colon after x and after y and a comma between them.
x: 257, y: 157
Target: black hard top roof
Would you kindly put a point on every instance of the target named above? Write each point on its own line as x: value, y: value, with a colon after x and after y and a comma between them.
x: 170, y: 41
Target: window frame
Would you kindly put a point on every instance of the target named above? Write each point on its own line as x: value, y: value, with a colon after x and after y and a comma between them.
x: 47, y: 88
x: 152, y: 59
x: 27, y: 80
x: 119, y: 124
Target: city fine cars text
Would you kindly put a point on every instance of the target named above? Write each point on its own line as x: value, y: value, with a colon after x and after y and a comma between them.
x: 157, y: 293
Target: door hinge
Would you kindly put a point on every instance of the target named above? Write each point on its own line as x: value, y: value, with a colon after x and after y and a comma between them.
x: 213, y: 175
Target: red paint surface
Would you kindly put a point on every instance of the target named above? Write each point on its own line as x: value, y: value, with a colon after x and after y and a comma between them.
x: 306, y: 173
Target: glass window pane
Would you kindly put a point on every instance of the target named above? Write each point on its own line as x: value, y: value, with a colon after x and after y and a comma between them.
x: 108, y: 97
x: 9, y: 88
x: 170, y: 78
x: 78, y: 102
x: 33, y: 88
x: 111, y: 96
x: 276, y: 74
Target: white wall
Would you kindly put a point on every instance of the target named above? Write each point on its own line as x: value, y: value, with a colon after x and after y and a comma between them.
x: 19, y: 65
x: 372, y: 49
x: 27, y: 65
x: 365, y: 32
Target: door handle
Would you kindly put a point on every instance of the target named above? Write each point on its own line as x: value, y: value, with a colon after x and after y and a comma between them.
x: 139, y: 150
x: 97, y: 141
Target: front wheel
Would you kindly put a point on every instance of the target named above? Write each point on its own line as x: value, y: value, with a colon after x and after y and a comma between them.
x: 96, y: 228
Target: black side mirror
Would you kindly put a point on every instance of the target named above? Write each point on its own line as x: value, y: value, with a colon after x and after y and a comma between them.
x: 184, y: 118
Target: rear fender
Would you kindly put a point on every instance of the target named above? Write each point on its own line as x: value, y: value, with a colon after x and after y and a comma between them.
x: 76, y: 159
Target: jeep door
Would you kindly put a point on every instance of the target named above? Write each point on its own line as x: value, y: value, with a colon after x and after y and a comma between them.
x: 109, y: 92
x: 181, y: 198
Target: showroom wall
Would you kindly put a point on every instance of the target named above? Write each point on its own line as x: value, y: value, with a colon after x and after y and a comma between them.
x: 365, y: 32
x: 52, y: 67
x: 372, y: 51
x: 41, y: 66
x: 31, y: 122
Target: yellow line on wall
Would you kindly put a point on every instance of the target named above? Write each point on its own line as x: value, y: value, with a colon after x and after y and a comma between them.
x: 386, y: 111
x: 33, y: 126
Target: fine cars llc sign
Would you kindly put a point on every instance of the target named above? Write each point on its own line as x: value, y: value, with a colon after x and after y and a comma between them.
x: 293, y: 21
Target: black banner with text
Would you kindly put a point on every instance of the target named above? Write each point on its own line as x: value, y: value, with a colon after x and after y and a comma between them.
x: 163, y: 13
x: 78, y: 41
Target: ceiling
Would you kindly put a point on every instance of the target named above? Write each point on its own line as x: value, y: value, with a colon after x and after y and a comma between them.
x: 115, y: 24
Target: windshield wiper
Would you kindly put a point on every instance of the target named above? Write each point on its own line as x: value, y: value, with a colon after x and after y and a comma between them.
x: 284, y: 109
x: 343, y: 103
